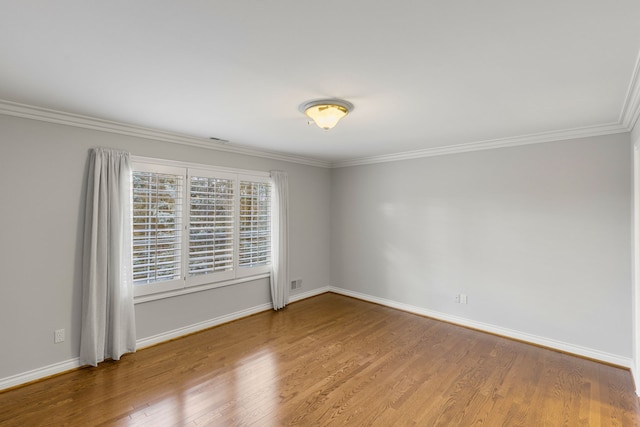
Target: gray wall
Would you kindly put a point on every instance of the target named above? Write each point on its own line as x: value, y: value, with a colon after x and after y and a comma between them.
x: 537, y: 236
x: 42, y: 183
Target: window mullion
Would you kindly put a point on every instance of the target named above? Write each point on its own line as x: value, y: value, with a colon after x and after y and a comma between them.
x: 236, y: 226
x: 155, y: 186
x: 186, y: 226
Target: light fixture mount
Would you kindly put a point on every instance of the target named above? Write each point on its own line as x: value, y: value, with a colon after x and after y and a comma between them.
x: 326, y: 112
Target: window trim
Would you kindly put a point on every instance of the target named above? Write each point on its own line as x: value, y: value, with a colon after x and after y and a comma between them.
x: 139, y: 299
x: 180, y: 164
x: 186, y: 284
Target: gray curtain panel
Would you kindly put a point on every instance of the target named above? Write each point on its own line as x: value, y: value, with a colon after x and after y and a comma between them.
x: 279, y: 239
x: 108, y: 318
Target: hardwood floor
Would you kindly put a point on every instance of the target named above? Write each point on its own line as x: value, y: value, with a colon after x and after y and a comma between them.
x: 333, y: 360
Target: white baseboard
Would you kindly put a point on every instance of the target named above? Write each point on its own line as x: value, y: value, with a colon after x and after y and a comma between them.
x: 68, y: 365
x: 497, y: 330
x: 196, y: 327
x: 634, y: 376
x: 177, y: 333
x: 309, y: 294
x: 36, y: 374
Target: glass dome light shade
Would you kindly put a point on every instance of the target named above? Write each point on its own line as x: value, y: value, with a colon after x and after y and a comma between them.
x: 326, y: 114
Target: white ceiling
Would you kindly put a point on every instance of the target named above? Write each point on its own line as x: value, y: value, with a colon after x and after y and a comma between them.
x: 421, y: 74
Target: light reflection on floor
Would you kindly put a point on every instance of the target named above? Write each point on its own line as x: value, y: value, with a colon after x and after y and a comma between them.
x: 246, y: 394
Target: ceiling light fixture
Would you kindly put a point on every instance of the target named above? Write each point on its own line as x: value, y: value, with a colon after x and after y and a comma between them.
x: 326, y: 112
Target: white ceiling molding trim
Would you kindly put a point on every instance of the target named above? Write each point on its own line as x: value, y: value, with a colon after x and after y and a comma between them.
x: 631, y: 108
x: 52, y: 116
x: 9, y: 108
x: 538, y: 138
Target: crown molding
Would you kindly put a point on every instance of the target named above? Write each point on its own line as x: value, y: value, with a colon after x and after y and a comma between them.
x: 537, y: 138
x: 628, y: 119
x: 631, y: 111
x: 631, y: 107
x: 76, y: 120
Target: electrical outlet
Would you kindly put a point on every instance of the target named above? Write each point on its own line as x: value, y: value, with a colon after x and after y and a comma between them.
x: 296, y: 284
x: 463, y: 298
x: 58, y: 336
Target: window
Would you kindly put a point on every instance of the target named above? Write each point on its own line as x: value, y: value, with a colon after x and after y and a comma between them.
x: 157, y: 227
x: 194, y: 226
x: 255, y: 224
x: 211, y: 226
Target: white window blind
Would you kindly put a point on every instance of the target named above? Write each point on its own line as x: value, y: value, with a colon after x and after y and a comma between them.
x: 211, y: 225
x: 157, y: 226
x: 197, y: 226
x: 255, y: 224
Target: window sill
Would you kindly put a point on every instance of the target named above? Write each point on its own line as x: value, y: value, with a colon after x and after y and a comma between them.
x: 184, y: 291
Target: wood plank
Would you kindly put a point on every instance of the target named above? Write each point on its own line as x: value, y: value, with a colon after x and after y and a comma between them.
x: 333, y: 360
